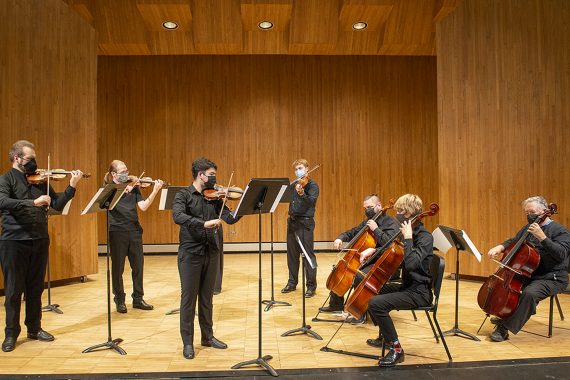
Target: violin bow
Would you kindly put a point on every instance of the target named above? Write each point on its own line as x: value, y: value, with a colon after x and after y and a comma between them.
x: 226, y: 197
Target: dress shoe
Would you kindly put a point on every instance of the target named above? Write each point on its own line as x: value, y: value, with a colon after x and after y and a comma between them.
x: 188, y: 351
x: 495, y: 320
x: 500, y: 334
x: 355, y: 321
x: 310, y: 293
x: 377, y: 342
x: 9, y: 344
x: 330, y: 309
x: 214, y: 343
x: 121, y: 308
x: 392, y: 358
x: 288, y: 289
x: 141, y: 305
x: 41, y: 335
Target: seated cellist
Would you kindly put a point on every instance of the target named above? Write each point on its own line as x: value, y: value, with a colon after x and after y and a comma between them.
x: 415, y: 289
x: 552, y: 241
x: 382, y: 229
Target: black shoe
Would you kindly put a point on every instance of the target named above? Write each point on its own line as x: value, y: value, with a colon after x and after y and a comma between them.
x: 392, y: 358
x: 495, y: 320
x: 141, y: 305
x: 216, y: 292
x: 288, y: 289
x: 41, y: 335
x: 377, y: 342
x: 188, y: 351
x: 214, y: 343
x: 9, y: 344
x: 121, y: 308
x: 330, y: 309
x: 500, y: 334
x: 354, y: 321
x: 310, y: 293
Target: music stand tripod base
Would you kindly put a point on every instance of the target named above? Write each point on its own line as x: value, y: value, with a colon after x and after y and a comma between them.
x: 54, y: 308
x: 262, y: 362
x: 112, y: 344
x: 456, y: 331
x: 270, y: 303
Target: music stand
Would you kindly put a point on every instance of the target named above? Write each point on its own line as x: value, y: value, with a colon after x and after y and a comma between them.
x: 305, y: 328
x: 54, y: 307
x: 166, y: 199
x: 444, y: 239
x: 285, y: 198
x: 262, y: 195
x: 106, y: 198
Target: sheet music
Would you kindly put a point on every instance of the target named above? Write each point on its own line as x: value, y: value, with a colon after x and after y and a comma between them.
x: 117, y: 199
x: 92, y: 201
x: 440, y: 241
x: 163, y: 195
x: 240, y: 200
x: 304, y: 252
x: 471, y: 246
x: 278, y: 199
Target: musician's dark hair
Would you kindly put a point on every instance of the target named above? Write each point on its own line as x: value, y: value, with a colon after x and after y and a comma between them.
x: 17, y: 149
x: 201, y: 165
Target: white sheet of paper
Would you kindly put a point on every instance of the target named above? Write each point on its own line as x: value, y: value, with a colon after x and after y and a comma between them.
x: 92, y: 201
x: 439, y: 241
x: 278, y: 198
x: 240, y: 200
x: 305, y: 252
x: 163, y: 195
x: 472, y: 246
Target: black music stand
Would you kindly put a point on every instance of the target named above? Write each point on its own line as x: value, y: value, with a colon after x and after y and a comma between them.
x: 262, y: 195
x: 166, y: 199
x: 458, y: 239
x: 54, y: 306
x: 286, y: 198
x: 305, y: 328
x: 106, y: 199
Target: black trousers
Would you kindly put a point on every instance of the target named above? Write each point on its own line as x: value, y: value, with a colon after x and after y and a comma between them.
x: 394, y: 297
x: 305, y: 230
x: 220, y: 274
x: 532, y: 294
x: 197, y: 278
x: 126, y: 244
x: 24, y: 267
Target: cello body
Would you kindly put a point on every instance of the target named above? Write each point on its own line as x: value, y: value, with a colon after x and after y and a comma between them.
x: 499, y: 295
x: 341, y: 277
x: 375, y: 279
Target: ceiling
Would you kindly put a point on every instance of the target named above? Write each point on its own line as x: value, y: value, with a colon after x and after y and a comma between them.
x: 134, y: 27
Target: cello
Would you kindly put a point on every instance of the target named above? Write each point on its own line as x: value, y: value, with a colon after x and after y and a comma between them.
x: 499, y: 295
x: 340, y: 278
x: 392, y: 254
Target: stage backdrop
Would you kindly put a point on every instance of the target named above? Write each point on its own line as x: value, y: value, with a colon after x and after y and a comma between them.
x: 48, y: 70
x: 504, y: 115
x: 369, y: 121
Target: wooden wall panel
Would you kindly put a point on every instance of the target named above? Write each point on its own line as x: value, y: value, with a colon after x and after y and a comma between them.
x: 369, y: 121
x: 503, y: 90
x: 48, y: 70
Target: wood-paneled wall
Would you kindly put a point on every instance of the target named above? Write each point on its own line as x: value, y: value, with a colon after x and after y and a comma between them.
x: 48, y: 70
x: 371, y: 122
x: 504, y: 116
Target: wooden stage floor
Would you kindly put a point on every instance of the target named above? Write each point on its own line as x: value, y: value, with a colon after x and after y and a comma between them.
x: 153, y: 344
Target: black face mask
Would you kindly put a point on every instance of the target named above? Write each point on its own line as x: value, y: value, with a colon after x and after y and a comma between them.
x: 369, y: 212
x: 211, y: 182
x: 531, y: 218
x: 401, y: 218
x: 30, y: 167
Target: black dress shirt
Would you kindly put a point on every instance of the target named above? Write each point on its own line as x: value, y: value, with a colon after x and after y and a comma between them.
x: 191, y: 210
x: 304, y: 205
x: 21, y: 220
x: 124, y: 216
x: 418, y: 253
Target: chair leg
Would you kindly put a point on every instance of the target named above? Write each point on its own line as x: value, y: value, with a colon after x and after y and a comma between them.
x: 559, y: 308
x: 442, y: 337
x: 416, y: 318
x: 482, y: 323
x: 550, y: 316
x: 432, y: 328
x: 383, y: 347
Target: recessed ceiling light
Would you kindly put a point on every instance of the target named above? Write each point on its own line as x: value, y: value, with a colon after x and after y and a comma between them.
x: 360, y: 25
x: 265, y: 25
x: 170, y: 25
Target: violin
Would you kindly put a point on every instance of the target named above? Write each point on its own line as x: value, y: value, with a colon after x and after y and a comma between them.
x: 42, y: 176
x: 144, y: 182
x: 231, y: 193
x: 499, y: 295
x: 304, y: 180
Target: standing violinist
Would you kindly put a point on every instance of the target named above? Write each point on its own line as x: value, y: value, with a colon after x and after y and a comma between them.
x: 415, y: 290
x: 24, y: 242
x: 301, y: 222
x: 552, y: 241
x: 199, y: 253
x: 383, y: 228
x: 125, y: 236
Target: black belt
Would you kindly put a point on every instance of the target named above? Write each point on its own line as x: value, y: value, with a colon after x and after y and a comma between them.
x: 294, y: 217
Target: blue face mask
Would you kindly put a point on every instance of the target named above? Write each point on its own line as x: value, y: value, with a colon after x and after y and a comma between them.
x: 299, y: 173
